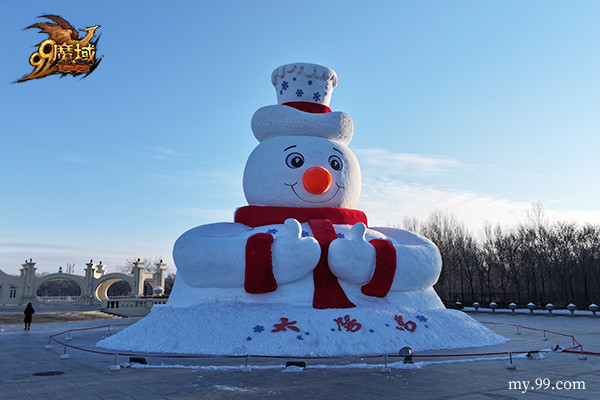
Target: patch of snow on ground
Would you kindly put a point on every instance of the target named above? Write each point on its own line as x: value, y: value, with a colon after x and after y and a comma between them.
x: 230, y: 388
x: 293, y: 368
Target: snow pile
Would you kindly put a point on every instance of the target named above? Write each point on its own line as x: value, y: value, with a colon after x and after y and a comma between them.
x: 282, y: 330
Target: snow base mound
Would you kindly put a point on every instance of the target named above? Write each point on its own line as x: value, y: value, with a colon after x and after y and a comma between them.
x: 237, y: 329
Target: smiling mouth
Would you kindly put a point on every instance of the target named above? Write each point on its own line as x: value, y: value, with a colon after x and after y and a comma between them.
x: 320, y: 201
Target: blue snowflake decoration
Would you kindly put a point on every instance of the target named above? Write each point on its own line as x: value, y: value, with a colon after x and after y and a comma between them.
x: 248, y: 338
x: 299, y: 337
x: 422, y: 318
x: 371, y: 330
x: 294, y: 79
x: 317, y: 96
x: 309, y: 82
x: 281, y: 92
x: 259, y: 328
x: 272, y: 231
x: 341, y: 235
x: 307, y: 333
x: 284, y: 85
x: 387, y: 325
x: 332, y: 330
x: 305, y: 234
x: 426, y: 326
x: 299, y: 93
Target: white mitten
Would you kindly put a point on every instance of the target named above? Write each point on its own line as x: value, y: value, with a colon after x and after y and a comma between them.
x: 352, y: 260
x: 294, y: 256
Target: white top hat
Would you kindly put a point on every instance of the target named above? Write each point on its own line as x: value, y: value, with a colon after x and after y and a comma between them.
x: 303, y: 82
x: 303, y: 95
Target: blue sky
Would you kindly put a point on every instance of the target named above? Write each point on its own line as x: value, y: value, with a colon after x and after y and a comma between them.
x: 475, y: 108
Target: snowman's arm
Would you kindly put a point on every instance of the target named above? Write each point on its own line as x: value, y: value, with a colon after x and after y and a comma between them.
x: 231, y: 255
x: 286, y: 259
x: 212, y: 255
x: 418, y: 260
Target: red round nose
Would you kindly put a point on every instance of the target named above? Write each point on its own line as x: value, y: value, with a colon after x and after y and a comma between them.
x: 316, y: 180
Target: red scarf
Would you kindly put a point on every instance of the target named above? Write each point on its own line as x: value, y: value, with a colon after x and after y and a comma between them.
x: 328, y: 292
x: 261, y: 215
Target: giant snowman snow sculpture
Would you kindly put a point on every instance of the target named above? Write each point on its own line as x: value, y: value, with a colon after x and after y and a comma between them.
x: 301, y: 238
x: 299, y: 272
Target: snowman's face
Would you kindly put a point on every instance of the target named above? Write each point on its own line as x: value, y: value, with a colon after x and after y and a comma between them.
x: 302, y: 171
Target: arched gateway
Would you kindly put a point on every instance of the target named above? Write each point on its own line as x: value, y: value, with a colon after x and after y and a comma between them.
x: 17, y: 290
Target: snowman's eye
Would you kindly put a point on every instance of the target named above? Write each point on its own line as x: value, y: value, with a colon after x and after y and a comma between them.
x: 294, y: 160
x: 336, y: 163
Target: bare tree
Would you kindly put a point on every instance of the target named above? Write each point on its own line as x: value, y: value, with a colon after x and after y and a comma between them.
x: 169, y: 281
x: 70, y: 268
x: 536, y: 261
x: 149, y: 264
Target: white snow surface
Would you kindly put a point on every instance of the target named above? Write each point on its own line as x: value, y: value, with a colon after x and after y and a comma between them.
x: 234, y: 328
x: 230, y: 388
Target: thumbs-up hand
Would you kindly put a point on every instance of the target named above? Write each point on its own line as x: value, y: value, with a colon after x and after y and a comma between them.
x: 358, y: 232
x: 294, y: 256
x: 352, y: 260
x: 293, y: 227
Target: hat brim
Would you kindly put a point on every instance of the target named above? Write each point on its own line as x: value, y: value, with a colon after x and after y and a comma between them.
x: 280, y: 120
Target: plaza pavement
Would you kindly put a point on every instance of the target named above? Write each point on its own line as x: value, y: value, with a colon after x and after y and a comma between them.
x: 88, y: 376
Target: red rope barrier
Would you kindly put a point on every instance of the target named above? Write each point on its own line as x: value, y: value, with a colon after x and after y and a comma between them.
x: 533, y: 329
x: 193, y: 356
x: 589, y: 353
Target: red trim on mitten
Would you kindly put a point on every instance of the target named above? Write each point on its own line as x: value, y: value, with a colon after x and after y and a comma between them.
x: 328, y: 292
x: 259, y: 265
x: 385, y: 269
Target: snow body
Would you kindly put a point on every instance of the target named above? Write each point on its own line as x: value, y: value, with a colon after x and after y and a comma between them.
x: 213, y: 256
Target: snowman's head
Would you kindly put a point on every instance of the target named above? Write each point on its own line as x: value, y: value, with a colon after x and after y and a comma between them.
x: 302, y: 159
x: 302, y: 171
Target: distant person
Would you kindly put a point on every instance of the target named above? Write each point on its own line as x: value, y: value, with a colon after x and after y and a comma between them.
x: 29, y: 311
